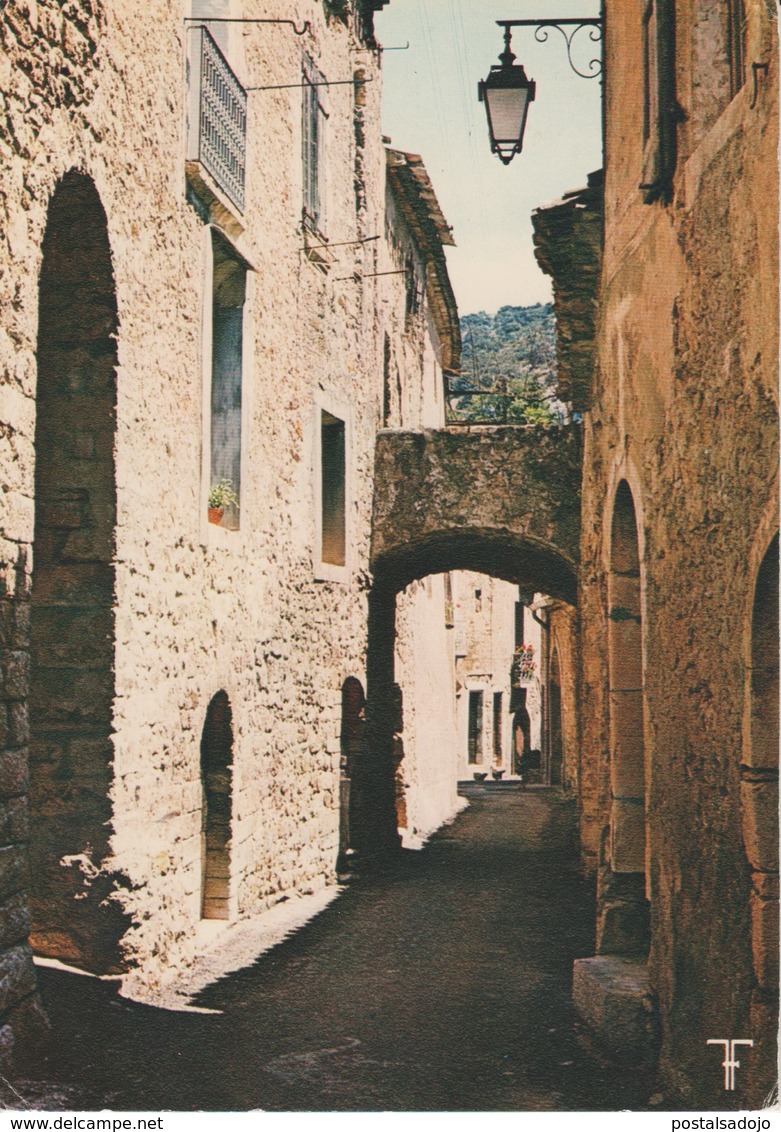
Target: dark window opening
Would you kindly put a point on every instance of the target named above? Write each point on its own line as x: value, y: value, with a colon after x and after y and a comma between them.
x: 650, y: 82
x: 498, y: 728
x: 313, y: 130
x: 449, y: 610
x: 519, y: 623
x: 413, y: 291
x: 332, y: 449
x: 661, y: 112
x: 386, y: 383
x: 475, y: 730
x: 229, y: 285
x: 736, y: 44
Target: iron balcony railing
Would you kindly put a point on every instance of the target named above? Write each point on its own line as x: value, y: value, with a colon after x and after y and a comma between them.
x: 218, y: 117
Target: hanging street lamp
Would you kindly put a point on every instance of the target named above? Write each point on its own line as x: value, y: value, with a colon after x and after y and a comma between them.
x: 507, y: 91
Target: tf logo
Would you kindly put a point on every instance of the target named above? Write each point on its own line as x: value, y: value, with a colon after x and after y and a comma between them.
x: 729, y: 1063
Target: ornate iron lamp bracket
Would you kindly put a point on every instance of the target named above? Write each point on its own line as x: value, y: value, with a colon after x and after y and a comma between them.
x: 576, y: 25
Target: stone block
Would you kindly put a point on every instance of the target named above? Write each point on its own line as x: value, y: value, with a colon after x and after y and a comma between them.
x: 13, y: 869
x: 612, y: 996
x: 18, y: 724
x: 759, y: 801
x: 17, y: 975
x: 14, y: 775
x: 68, y: 512
x: 15, y: 670
x: 81, y: 584
x: 764, y: 931
x: 14, y: 920
x: 627, y: 837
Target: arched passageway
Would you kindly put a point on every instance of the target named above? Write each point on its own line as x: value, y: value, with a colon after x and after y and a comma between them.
x: 72, y: 619
x: 217, y: 786
x: 511, y: 557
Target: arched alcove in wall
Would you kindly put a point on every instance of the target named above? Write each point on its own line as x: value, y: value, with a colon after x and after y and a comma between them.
x: 72, y: 615
x: 217, y: 786
x: 351, y: 746
x: 759, y: 804
x: 623, y: 926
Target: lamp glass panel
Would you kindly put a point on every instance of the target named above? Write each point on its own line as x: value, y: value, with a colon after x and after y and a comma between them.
x: 507, y: 110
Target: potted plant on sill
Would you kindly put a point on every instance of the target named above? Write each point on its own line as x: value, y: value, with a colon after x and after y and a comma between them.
x: 221, y: 497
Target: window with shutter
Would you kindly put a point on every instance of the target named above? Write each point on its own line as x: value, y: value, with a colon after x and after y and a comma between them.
x: 660, y: 107
x: 313, y: 137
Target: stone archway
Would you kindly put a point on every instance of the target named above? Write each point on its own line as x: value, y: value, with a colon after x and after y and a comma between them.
x: 511, y: 557
x: 72, y: 611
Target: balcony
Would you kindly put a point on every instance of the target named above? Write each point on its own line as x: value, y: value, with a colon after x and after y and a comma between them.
x: 217, y: 130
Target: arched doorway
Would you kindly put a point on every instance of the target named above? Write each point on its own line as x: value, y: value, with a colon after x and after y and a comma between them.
x: 72, y: 619
x: 759, y: 802
x: 217, y: 786
x: 624, y: 914
x: 351, y: 745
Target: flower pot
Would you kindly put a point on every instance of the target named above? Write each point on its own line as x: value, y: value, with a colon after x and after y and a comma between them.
x: 480, y: 776
x: 497, y: 774
x: 215, y: 515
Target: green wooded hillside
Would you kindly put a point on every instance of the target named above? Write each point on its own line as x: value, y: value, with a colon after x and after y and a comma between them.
x: 517, y: 346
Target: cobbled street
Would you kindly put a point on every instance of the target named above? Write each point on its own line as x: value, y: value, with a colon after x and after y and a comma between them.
x: 440, y: 984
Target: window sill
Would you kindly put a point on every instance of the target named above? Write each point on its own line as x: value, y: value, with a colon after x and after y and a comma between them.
x: 227, y: 538
x: 316, y: 248
x: 328, y: 572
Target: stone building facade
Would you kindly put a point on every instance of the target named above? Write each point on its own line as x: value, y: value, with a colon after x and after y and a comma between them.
x: 679, y: 548
x: 196, y: 258
x: 494, y: 714
x: 423, y: 341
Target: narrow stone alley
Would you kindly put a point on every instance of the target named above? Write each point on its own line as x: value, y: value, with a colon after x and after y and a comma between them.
x: 442, y: 983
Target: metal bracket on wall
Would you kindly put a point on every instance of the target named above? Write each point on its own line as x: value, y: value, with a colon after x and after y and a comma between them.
x: 756, y: 68
x: 236, y: 20
x: 541, y: 35
x: 292, y: 86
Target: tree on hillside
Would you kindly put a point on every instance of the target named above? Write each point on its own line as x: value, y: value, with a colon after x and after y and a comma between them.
x: 508, y: 369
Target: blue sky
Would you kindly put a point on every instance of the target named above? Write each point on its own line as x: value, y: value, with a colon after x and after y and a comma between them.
x: 430, y: 107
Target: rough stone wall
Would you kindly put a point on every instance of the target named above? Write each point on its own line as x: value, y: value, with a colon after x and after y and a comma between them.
x: 425, y: 749
x: 504, y: 494
x: 568, y: 247
x: 198, y: 609
x: 426, y: 776
x: 685, y: 412
x: 563, y: 636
